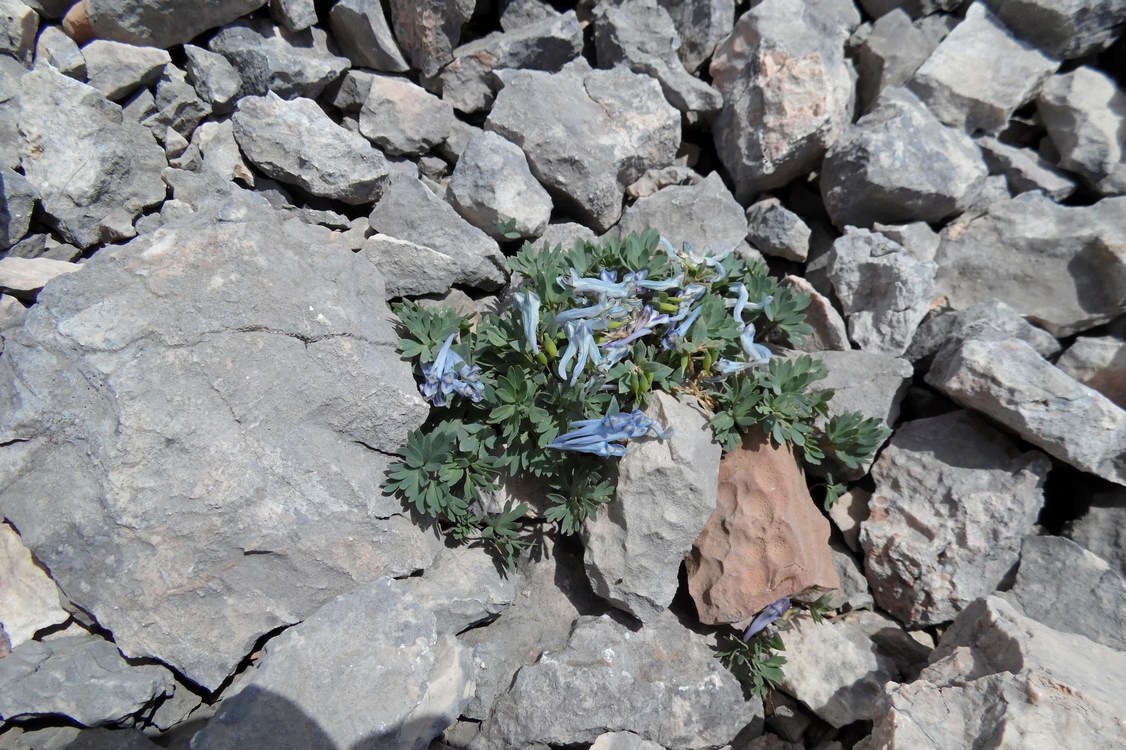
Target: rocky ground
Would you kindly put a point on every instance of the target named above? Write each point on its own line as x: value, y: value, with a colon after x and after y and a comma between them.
x: 205, y: 207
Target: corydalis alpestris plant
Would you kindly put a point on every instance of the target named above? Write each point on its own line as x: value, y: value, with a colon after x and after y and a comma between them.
x: 554, y: 387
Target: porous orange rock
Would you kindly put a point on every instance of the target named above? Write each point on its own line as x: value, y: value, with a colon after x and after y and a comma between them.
x: 765, y: 540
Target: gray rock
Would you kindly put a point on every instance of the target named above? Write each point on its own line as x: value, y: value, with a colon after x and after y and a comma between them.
x: 842, y: 17
x: 836, y: 670
x: 1062, y: 267
x: 361, y: 30
x: 269, y: 58
x: 492, y: 183
x: 24, y: 277
x: 468, y: 82
x: 1025, y: 170
x: 296, y: 142
x: 1071, y: 590
x: 777, y: 231
x: 868, y: 382
x: 1102, y: 530
x: 889, y: 56
x: 410, y: 269
x: 409, y: 211
x: 980, y: 74
x: 666, y: 493
x: 403, y: 118
x: 1011, y: 383
x: 1098, y: 363
x: 779, y: 119
x: 702, y: 25
x: 11, y: 74
x: 932, y: 547
x: 118, y: 69
x: 350, y: 91
x: 617, y: 119
x: 662, y: 683
x: 215, y: 79
x: 908, y: 649
x: 829, y: 332
x: 220, y: 153
x: 29, y: 599
x: 566, y: 234
x: 704, y: 215
x: 623, y: 741
x: 465, y: 587
x: 411, y: 679
x: 900, y: 164
x: 178, y: 106
x: 295, y: 15
x: 917, y: 238
x: 262, y: 350
x: 161, y: 23
x: 43, y: 246
x: 1085, y: 115
x: 56, y: 48
x: 659, y: 179
x: 428, y: 30
x: 17, y: 200
x: 18, y: 24
x: 885, y: 291
x: 916, y: 8
x: 854, y: 592
x: 73, y: 738
x: 1063, y: 29
x: 517, y: 13
x: 640, y: 35
x: 993, y: 320
x: 851, y: 510
x: 12, y: 314
x: 94, y: 170
x: 82, y: 677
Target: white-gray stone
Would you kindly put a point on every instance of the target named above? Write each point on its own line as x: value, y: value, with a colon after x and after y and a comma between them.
x: 118, y: 69
x: 270, y: 58
x: 18, y: 24
x: 360, y: 28
x: 56, y: 48
x: 890, y: 54
x: 492, y: 183
x: 82, y: 677
x: 871, y: 383
x: 704, y: 215
x: 775, y: 230
x: 623, y: 741
x: 161, y: 23
x: 898, y: 164
x: 986, y: 320
x: 410, y: 269
x: 829, y: 331
x: 1064, y: 29
x: 220, y: 152
x: 884, y: 291
x: 1085, y: 114
x: 295, y: 15
x: 297, y: 143
x: 403, y: 118
x: 215, y: 79
x: 1098, y: 363
x: 854, y: 593
x: 1062, y: 267
x: 980, y: 74
x: 788, y: 95
x: 1011, y: 383
x: 17, y: 200
x: 666, y: 493
x: 466, y: 586
x: 29, y: 599
x: 702, y: 25
x: 378, y: 648
x: 1025, y: 170
x: 177, y: 104
x: 618, y: 120
x: 953, y: 500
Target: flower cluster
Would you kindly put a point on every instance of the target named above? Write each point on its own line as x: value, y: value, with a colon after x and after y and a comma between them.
x: 449, y: 374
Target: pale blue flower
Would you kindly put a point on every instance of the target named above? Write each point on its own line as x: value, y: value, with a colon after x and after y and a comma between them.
x: 767, y: 616
x: 600, y: 286
x: 528, y: 303
x: 607, y: 308
x: 742, y: 302
x: 580, y: 343
x: 662, y: 286
x: 682, y: 329
x: 448, y: 375
x: 604, y: 436
x: 756, y: 354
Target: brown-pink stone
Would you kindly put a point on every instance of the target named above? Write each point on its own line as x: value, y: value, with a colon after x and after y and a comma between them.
x: 765, y: 540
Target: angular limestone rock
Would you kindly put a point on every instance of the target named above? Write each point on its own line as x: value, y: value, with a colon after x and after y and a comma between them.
x: 989, y: 321
x: 118, y: 69
x: 270, y: 58
x: 29, y: 599
x: 666, y: 492
x: 1098, y: 363
x: 953, y: 500
x: 1009, y: 382
x: 361, y: 30
x: 1064, y: 30
x: 1085, y: 114
x: 765, y: 540
x: 410, y: 269
x: 492, y: 183
x: 428, y: 30
x: 705, y: 215
x: 402, y: 118
x: 153, y: 23
x: 702, y: 26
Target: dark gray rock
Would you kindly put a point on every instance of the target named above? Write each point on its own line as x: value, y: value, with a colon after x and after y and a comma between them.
x: 662, y: 683
x: 1085, y: 114
x: 241, y: 397
x: 900, y: 164
x: 1070, y: 589
x: 411, y: 679
x: 1025, y: 170
x: 702, y: 25
x: 617, y: 119
x: 1012, y: 384
x: 118, y: 69
x: 409, y: 211
x: 640, y: 35
x: 1102, y: 530
x: 885, y: 292
x: 295, y: 15
x: 777, y: 231
x: 56, y: 48
x: 468, y: 82
x: 269, y: 58
x: 161, y: 23
x: 1099, y: 363
x: 705, y: 215
x: 94, y: 170
x: 403, y: 118
x: 492, y: 183
x: 219, y: 152
x: 178, y: 106
x: 17, y: 199
x: 1063, y: 29
x: 428, y: 30
x: 1062, y: 267
x: 892, y: 52
x: 297, y: 143
x: 361, y: 30
x: 18, y: 24
x: 992, y: 320
x: 215, y: 79
x: 50, y: 9
x: 916, y: 8
x: 980, y: 74
x: 79, y: 676
x: 517, y: 13
x: 934, y: 546
x: 779, y: 118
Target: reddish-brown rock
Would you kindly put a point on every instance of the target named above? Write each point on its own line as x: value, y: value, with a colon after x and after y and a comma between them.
x: 765, y: 540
